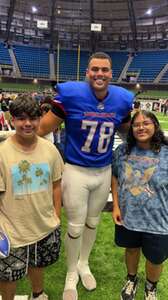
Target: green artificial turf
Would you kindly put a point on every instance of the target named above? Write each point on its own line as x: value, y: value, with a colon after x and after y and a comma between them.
x: 107, y: 263
x: 163, y: 120
x: 22, y: 87
x: 154, y: 94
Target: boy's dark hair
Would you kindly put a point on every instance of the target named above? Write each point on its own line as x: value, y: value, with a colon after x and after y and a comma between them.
x: 25, y: 104
x: 100, y: 55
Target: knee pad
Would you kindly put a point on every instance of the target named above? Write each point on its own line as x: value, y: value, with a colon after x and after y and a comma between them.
x: 75, y: 230
x: 92, y: 222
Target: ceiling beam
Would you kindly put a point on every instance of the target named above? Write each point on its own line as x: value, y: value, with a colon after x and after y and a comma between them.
x: 52, y: 22
x: 92, y: 42
x: 132, y: 23
x: 9, y: 20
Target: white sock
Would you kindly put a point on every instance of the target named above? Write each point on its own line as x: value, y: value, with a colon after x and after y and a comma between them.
x: 72, y: 247
x: 88, y: 239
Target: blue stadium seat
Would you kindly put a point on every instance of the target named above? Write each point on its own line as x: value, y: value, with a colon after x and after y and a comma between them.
x: 4, y: 55
x: 149, y: 64
x: 32, y: 61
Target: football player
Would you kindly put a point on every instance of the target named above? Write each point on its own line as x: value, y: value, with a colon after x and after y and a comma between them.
x: 92, y: 111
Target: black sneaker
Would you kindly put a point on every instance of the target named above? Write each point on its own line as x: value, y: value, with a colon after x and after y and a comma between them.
x: 150, y: 294
x: 129, y: 290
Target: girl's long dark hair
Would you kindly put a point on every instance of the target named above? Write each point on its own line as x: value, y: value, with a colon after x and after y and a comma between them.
x: 158, y: 139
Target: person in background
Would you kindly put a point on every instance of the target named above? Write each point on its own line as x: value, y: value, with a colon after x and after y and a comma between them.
x: 30, y: 201
x: 92, y: 110
x: 59, y: 140
x: 166, y: 107
x: 137, y: 105
x: 2, y: 120
x: 57, y: 137
x: 45, y: 107
x: 140, y: 202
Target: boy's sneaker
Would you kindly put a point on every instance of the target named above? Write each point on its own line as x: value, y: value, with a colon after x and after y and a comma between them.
x: 43, y: 296
x: 150, y: 294
x: 129, y: 290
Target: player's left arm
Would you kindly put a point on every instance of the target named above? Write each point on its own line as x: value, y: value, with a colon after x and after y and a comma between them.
x: 57, y: 197
x: 122, y: 130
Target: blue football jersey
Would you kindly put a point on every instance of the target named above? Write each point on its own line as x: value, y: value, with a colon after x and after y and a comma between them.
x: 90, y: 123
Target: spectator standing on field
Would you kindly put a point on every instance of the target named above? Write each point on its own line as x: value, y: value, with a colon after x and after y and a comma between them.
x: 30, y: 201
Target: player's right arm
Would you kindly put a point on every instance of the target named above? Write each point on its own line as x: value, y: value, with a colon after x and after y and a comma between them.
x: 48, y: 123
x: 51, y: 121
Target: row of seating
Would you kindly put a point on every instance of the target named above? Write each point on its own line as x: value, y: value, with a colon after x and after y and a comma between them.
x: 149, y: 64
x: 165, y: 77
x: 32, y: 60
x: 4, y: 55
x: 35, y: 60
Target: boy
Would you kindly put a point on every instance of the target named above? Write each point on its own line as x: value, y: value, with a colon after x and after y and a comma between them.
x: 30, y: 200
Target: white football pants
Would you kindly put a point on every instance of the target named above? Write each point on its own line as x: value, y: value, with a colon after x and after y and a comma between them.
x: 85, y: 192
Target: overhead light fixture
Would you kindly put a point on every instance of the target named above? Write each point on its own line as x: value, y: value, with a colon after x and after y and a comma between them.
x: 34, y: 9
x: 58, y: 9
x: 149, y: 12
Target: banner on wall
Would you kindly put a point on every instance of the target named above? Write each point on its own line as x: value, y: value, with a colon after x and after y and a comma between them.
x: 96, y: 27
x: 42, y: 24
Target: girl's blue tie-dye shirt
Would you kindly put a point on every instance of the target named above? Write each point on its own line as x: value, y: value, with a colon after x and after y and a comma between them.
x: 143, y: 188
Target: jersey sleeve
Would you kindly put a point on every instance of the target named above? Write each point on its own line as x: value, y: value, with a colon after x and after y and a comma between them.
x: 131, y: 97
